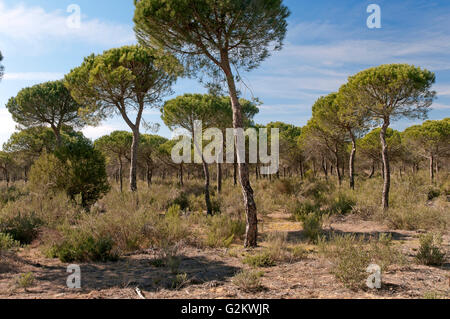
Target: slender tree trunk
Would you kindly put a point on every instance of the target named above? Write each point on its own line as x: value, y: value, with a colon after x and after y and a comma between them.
x: 134, y: 156
x: 337, y: 162
x: 219, y: 178
x: 352, y: 162
x: 251, y: 236
x: 207, y: 195
x: 372, y: 172
x: 386, y: 167
x: 302, y: 171
x: 57, y: 133
x: 149, y: 175
x: 121, y: 174
x: 181, y: 175
x: 437, y: 169
x: 325, y: 168
x: 235, y: 169
x: 432, y: 168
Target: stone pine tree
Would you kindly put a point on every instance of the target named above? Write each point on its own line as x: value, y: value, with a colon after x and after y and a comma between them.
x: 182, y: 112
x: 49, y: 104
x: 430, y: 140
x: 123, y: 81
x: 117, y: 147
x: 388, y: 93
x: 220, y: 37
x: 327, y: 129
x: 353, y: 118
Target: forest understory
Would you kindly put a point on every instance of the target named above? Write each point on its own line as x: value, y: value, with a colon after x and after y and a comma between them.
x: 180, y: 253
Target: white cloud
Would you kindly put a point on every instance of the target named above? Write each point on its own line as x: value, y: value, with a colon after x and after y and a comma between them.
x: 98, y: 131
x: 34, y: 76
x: 31, y: 24
x: 442, y: 90
x: 7, y: 125
x: 440, y: 106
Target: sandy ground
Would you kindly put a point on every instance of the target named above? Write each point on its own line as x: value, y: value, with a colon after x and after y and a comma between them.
x: 209, y: 272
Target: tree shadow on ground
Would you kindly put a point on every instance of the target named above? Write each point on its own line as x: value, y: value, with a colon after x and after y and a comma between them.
x: 142, y: 273
x: 298, y: 236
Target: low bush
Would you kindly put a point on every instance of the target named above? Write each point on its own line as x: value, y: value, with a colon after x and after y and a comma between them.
x: 312, y: 226
x: 24, y: 280
x: 248, y: 280
x: 81, y: 247
x: 22, y: 227
x: 76, y: 168
x: 430, y: 251
x: 263, y: 260
x: 223, y: 230
x: 303, y: 209
x: 342, y: 204
x: 7, y: 242
x: 351, y: 255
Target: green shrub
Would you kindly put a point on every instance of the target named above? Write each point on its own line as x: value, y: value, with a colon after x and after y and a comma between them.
x: 180, y: 281
x: 414, y: 217
x: 7, y: 242
x: 433, y: 193
x: 302, y: 209
x: 317, y: 190
x: 342, y: 204
x: 222, y: 230
x: 182, y: 201
x: 77, y: 168
x: 25, y: 280
x: 430, y: 250
x: 81, y: 247
x: 23, y: 227
x: 11, y: 194
x: 249, y: 281
x: 312, y: 226
x: 263, y: 260
x: 351, y: 255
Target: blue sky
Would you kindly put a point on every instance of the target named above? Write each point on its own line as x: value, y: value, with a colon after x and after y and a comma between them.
x: 327, y: 41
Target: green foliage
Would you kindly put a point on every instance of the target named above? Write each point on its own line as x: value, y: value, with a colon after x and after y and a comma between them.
x: 11, y: 194
x: 392, y: 91
x: 351, y: 255
x: 182, y: 201
x: 180, y: 281
x: 7, y: 242
x: 312, y: 226
x: 262, y: 260
x: 302, y: 209
x: 430, y: 251
x: 77, y: 168
x: 79, y: 246
x: 430, y: 138
x: 47, y: 103
x: 257, y: 26
x: 121, y: 80
x: 117, y: 144
x: 22, y: 227
x: 342, y: 204
x: 248, y: 280
x: 222, y: 230
x: 25, y: 280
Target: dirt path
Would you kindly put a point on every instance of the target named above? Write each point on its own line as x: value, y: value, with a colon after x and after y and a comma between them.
x: 209, y: 272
